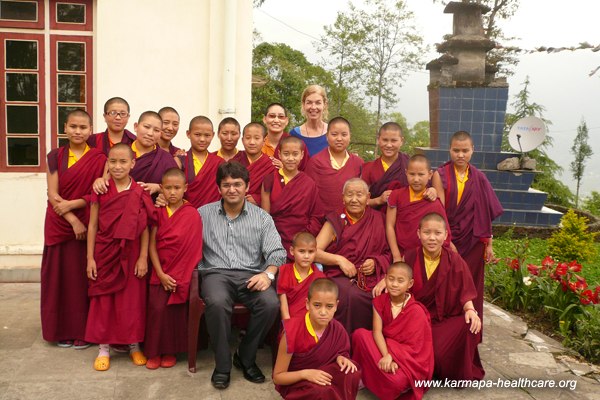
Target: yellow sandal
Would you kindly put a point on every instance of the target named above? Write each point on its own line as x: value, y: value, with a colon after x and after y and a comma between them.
x: 138, y: 358
x: 102, y: 363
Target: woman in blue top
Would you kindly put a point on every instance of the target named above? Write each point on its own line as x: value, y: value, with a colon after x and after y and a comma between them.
x: 314, y: 109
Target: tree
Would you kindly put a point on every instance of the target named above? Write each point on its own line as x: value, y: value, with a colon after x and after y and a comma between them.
x: 582, y: 151
x: 558, y: 192
x: 592, y: 203
x: 338, y: 43
x: 385, y: 44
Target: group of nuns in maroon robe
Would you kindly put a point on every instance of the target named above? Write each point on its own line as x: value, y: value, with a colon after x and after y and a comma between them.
x: 125, y: 213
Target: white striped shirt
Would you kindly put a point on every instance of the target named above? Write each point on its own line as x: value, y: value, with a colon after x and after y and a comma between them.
x: 247, y: 242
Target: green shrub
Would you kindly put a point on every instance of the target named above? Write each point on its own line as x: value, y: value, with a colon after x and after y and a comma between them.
x: 572, y: 241
x: 586, y: 334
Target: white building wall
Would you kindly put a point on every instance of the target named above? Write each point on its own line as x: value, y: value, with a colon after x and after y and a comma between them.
x: 152, y: 53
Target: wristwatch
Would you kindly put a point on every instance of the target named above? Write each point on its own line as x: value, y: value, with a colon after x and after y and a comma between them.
x: 270, y: 275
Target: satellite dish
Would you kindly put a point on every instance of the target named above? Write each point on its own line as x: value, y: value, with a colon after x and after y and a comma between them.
x: 527, y: 134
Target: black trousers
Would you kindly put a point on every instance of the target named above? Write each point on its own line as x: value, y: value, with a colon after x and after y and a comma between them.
x: 220, y: 290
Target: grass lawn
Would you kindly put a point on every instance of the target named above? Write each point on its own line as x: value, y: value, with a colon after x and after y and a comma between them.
x: 538, y: 249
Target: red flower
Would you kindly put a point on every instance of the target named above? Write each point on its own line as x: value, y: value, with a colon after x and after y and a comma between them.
x: 561, y: 269
x: 581, y: 283
x: 587, y: 296
x: 514, y: 264
x: 574, y: 266
x: 572, y: 286
x: 563, y: 285
x: 533, y: 269
x: 547, y: 262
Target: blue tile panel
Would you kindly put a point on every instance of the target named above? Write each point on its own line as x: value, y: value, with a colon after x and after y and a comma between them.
x: 479, y: 111
x: 521, y: 199
x: 528, y: 218
x: 509, y: 180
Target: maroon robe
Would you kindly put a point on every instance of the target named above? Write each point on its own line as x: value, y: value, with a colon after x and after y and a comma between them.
x: 303, y: 162
x: 179, y: 247
x: 150, y: 167
x: 306, y: 354
x: 64, y: 299
x: 172, y: 149
x: 409, y: 215
x: 117, y: 297
x: 471, y: 220
x: 444, y: 295
x: 408, y: 340
x: 202, y: 188
x: 258, y: 170
x: 330, y: 182
x: 294, y: 206
x: 357, y: 242
x: 379, y: 180
x: 295, y: 292
x: 102, y: 142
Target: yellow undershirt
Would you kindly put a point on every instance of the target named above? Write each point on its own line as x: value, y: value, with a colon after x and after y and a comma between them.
x: 334, y: 163
x: 221, y: 154
x: 198, y: 164
x: 250, y: 161
x: 431, y: 264
x: 169, y: 211
x: 415, y: 196
x: 384, y: 165
x: 286, y: 179
x: 136, y: 151
x: 310, y: 328
x: 297, y: 274
x: 73, y: 158
x: 460, y: 184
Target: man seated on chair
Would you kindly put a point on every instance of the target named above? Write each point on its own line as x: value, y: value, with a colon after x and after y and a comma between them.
x: 241, y: 254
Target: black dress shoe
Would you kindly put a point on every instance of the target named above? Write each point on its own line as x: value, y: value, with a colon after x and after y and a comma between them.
x: 220, y: 380
x: 251, y: 373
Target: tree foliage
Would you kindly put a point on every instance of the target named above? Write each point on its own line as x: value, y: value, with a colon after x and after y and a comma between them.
x: 558, y: 192
x: 385, y: 47
x: 338, y: 43
x: 592, y: 203
x: 582, y: 151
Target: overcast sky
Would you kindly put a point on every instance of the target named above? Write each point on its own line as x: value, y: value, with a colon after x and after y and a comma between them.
x: 559, y: 81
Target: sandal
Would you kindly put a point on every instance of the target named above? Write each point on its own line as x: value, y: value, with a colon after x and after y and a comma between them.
x: 120, y: 348
x: 65, y: 344
x: 138, y: 358
x: 102, y: 363
x: 81, y: 345
x: 154, y: 362
x: 168, y: 361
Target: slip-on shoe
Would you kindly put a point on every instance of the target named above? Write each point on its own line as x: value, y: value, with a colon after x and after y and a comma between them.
x: 252, y: 373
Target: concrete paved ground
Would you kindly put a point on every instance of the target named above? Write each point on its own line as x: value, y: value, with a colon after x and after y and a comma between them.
x: 30, y: 368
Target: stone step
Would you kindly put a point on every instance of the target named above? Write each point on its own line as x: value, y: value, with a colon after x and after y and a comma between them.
x: 530, y: 199
x: 543, y: 217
